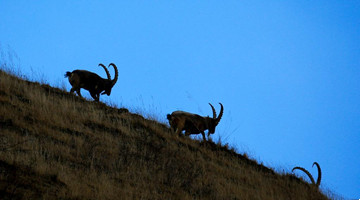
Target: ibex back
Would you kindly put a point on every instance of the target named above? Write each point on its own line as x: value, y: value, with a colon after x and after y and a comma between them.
x: 92, y: 82
x: 193, y: 123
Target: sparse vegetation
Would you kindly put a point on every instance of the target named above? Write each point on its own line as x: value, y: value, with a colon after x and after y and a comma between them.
x: 55, y: 145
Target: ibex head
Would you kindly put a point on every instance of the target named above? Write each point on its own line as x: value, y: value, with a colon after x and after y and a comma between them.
x: 214, y: 121
x: 317, y: 184
x: 193, y: 123
x: 92, y: 82
x: 110, y: 83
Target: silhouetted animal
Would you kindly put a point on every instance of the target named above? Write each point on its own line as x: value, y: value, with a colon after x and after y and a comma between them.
x: 92, y: 82
x: 310, y: 176
x: 193, y: 123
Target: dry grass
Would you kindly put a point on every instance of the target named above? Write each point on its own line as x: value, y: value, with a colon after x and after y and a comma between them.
x: 54, y: 145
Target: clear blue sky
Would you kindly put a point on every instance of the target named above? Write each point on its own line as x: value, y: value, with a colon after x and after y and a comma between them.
x: 287, y: 72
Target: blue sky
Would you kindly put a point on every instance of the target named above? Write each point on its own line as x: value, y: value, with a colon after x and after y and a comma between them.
x: 287, y: 72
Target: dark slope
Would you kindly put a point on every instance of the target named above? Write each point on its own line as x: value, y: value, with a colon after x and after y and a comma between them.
x: 55, y: 145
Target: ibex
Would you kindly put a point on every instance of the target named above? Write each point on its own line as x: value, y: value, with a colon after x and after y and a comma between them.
x: 92, y: 82
x: 193, y: 123
x: 310, y: 176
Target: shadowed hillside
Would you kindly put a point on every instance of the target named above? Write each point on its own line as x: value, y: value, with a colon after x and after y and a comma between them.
x: 54, y: 145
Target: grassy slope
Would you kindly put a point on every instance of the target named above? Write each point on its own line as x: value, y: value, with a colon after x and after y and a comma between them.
x: 54, y: 145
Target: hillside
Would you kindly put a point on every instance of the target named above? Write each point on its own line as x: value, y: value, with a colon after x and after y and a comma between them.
x: 54, y: 145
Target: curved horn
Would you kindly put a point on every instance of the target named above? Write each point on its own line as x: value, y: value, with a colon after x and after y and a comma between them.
x: 220, y: 114
x: 116, y: 74
x: 306, y: 172
x: 319, y: 174
x: 107, y: 71
x: 213, y: 110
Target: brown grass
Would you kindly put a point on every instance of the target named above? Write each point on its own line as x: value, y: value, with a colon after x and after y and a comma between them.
x: 54, y: 145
